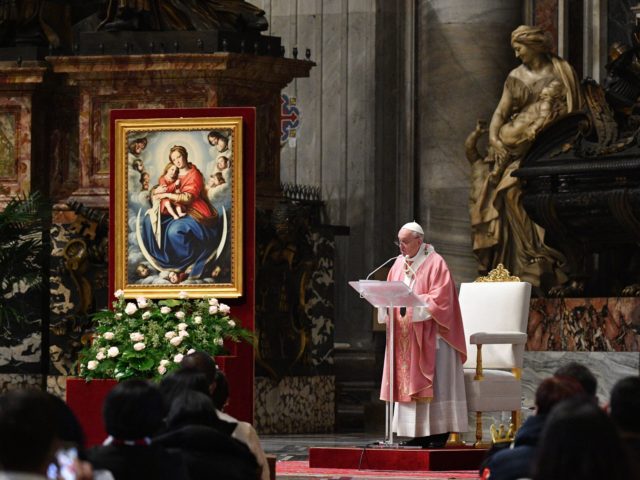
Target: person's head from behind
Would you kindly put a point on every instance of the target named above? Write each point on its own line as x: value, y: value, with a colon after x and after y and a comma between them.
x: 133, y: 410
x: 553, y: 390
x: 191, y: 408
x: 203, y: 363
x: 580, y: 373
x: 410, y: 238
x: 27, y: 433
x: 624, y: 405
x: 221, y: 393
x: 579, y: 441
x: 183, y: 379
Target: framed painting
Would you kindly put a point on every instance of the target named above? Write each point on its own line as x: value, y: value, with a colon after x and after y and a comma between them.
x: 176, y: 203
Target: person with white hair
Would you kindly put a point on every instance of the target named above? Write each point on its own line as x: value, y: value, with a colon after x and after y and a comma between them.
x: 429, y: 347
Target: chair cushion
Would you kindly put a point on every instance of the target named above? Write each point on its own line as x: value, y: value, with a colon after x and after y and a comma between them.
x: 497, y: 391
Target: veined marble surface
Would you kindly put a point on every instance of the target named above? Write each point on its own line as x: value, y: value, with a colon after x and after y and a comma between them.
x: 608, y: 367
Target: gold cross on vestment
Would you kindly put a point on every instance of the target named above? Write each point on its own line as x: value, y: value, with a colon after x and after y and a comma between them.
x: 407, y: 268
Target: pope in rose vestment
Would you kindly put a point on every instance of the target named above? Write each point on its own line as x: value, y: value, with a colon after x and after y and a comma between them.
x: 429, y: 344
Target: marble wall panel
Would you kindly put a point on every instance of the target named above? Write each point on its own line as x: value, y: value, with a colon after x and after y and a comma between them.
x: 608, y: 367
x: 295, y: 405
x: 584, y: 324
x: 463, y: 57
x: 546, y: 16
x: 15, y: 144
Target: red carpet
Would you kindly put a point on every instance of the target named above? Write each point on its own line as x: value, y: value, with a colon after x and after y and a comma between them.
x: 302, y: 469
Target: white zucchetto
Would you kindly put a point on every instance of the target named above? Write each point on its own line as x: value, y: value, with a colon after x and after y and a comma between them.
x: 414, y: 227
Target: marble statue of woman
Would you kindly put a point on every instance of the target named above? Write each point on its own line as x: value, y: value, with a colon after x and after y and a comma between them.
x: 537, y: 93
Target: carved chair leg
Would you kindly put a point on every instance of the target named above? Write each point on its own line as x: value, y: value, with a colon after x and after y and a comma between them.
x: 478, y: 429
x: 515, y: 419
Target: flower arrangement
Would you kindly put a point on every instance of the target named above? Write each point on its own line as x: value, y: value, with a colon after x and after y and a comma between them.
x: 147, y: 339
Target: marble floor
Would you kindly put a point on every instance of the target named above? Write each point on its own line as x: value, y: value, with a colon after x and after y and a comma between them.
x: 296, y: 447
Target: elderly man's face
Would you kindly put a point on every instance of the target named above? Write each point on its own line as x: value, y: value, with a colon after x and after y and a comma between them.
x: 409, y: 242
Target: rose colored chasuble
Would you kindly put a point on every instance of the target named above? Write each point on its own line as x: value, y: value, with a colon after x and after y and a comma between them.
x: 415, y: 341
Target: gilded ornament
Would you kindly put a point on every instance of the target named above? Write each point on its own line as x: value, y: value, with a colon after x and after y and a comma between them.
x: 498, y: 274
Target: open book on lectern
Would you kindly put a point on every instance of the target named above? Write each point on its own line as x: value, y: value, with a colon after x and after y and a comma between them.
x: 381, y: 293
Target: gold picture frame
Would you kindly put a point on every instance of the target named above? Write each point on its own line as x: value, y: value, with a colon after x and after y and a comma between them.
x: 176, y: 196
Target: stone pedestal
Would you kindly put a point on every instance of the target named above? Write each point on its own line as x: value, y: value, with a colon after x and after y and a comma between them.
x: 97, y: 84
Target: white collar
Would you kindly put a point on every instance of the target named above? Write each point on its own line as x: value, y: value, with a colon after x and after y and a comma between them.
x: 423, y: 252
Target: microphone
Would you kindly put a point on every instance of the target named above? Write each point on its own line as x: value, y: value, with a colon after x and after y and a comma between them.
x: 378, y: 268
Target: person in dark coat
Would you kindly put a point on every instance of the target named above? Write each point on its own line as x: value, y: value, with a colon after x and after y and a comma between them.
x: 624, y: 408
x: 580, y: 442
x: 133, y: 413
x: 515, y: 462
x: 208, y: 452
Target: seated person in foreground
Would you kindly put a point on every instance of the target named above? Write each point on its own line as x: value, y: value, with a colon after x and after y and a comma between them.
x: 133, y: 413
x: 33, y: 426
x: 580, y: 442
x: 624, y: 409
x: 208, y: 452
x: 219, y: 392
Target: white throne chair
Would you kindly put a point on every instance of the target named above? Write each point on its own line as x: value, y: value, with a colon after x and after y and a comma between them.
x: 495, y: 313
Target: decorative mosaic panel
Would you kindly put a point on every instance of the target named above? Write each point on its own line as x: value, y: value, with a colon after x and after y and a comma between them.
x: 14, y: 381
x: 295, y: 405
x: 584, y: 324
x: 294, y: 294
x: 78, y: 284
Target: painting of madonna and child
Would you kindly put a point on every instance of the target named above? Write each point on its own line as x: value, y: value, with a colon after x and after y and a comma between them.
x: 178, y: 194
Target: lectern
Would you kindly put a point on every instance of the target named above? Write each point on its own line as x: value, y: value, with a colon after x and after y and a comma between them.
x: 383, y: 294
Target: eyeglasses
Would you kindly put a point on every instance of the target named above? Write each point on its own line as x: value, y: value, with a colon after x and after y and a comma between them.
x: 398, y: 244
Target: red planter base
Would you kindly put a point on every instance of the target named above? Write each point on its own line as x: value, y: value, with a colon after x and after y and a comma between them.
x: 86, y: 400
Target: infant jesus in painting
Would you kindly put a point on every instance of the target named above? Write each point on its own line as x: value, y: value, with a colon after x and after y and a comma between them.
x: 170, y: 179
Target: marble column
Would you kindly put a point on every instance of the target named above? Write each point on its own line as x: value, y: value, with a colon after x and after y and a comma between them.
x: 463, y: 58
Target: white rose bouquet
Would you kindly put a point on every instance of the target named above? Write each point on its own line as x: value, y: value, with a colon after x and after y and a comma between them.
x: 145, y: 339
